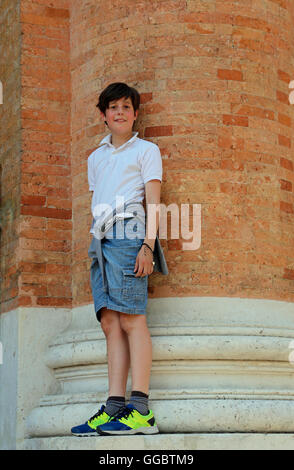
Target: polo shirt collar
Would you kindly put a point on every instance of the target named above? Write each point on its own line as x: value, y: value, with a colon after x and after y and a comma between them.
x: 106, y: 141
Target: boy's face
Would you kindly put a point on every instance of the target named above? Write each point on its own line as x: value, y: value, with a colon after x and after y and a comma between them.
x: 120, y: 116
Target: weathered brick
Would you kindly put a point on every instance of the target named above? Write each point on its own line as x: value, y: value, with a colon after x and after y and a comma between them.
x: 286, y: 207
x: 46, y: 212
x: 286, y: 185
x: 283, y: 140
x: 157, y: 131
x: 235, y: 120
x: 289, y: 274
x: 54, y: 301
x: 226, y: 74
x: 286, y: 163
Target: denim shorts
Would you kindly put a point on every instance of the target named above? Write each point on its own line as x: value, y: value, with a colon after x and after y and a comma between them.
x: 125, y: 293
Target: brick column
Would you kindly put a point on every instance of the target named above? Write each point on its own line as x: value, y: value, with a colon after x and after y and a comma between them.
x: 35, y: 200
x: 10, y: 152
x: 37, y: 250
x: 214, y: 81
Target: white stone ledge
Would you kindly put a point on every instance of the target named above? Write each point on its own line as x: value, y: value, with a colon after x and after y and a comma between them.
x: 204, y: 312
x: 195, y: 441
x: 170, y: 348
x: 155, y: 395
x: 188, y: 375
x: 96, y: 334
x: 178, y: 416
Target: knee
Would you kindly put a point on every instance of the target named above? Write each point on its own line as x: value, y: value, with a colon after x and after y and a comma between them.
x: 109, y: 321
x: 130, y: 322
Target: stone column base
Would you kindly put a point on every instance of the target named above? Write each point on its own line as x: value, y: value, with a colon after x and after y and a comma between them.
x: 211, y: 441
x: 219, y: 365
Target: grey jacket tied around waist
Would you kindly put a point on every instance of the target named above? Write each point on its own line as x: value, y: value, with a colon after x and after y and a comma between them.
x: 95, y: 249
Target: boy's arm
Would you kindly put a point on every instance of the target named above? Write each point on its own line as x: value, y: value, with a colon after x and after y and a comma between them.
x: 152, y: 196
x: 144, y: 260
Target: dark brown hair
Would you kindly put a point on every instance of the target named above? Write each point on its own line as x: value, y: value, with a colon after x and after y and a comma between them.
x: 116, y: 91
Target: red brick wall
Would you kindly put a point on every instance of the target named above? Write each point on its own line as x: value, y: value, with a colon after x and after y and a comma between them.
x: 46, y: 200
x: 40, y: 268
x: 10, y: 152
x: 214, y: 81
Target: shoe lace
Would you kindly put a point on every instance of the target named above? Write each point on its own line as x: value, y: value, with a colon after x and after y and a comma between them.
x: 124, y: 413
x: 99, y: 413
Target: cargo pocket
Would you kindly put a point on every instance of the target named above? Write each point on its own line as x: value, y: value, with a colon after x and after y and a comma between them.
x: 134, y: 288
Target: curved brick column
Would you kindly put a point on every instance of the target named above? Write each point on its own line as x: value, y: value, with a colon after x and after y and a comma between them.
x: 214, y: 82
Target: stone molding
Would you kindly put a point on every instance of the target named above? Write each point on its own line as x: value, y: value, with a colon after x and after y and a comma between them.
x: 219, y: 365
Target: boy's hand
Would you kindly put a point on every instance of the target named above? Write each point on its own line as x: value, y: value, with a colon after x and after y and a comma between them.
x: 144, y: 262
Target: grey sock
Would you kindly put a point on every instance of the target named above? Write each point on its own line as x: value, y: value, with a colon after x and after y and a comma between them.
x: 114, y: 404
x: 139, y: 400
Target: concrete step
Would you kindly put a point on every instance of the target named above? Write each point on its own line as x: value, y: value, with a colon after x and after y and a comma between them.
x: 196, y: 441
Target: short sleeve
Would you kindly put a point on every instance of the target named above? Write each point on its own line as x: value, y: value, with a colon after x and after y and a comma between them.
x: 91, y: 176
x: 151, y: 164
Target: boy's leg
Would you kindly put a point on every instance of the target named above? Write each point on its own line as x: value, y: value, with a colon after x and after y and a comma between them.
x: 118, y: 356
x: 140, y: 347
x: 135, y: 418
x: 118, y: 367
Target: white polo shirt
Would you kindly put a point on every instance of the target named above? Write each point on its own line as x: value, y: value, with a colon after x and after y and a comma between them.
x: 120, y: 174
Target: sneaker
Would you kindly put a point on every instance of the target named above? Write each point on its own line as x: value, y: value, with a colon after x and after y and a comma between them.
x: 129, y: 421
x: 89, y: 428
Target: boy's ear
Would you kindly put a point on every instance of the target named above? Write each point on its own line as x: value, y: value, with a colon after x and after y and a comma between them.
x: 103, y: 117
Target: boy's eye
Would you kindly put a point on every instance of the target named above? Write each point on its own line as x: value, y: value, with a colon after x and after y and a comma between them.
x: 114, y: 106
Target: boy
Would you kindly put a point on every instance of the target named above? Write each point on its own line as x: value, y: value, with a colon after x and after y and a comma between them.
x: 123, y: 165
